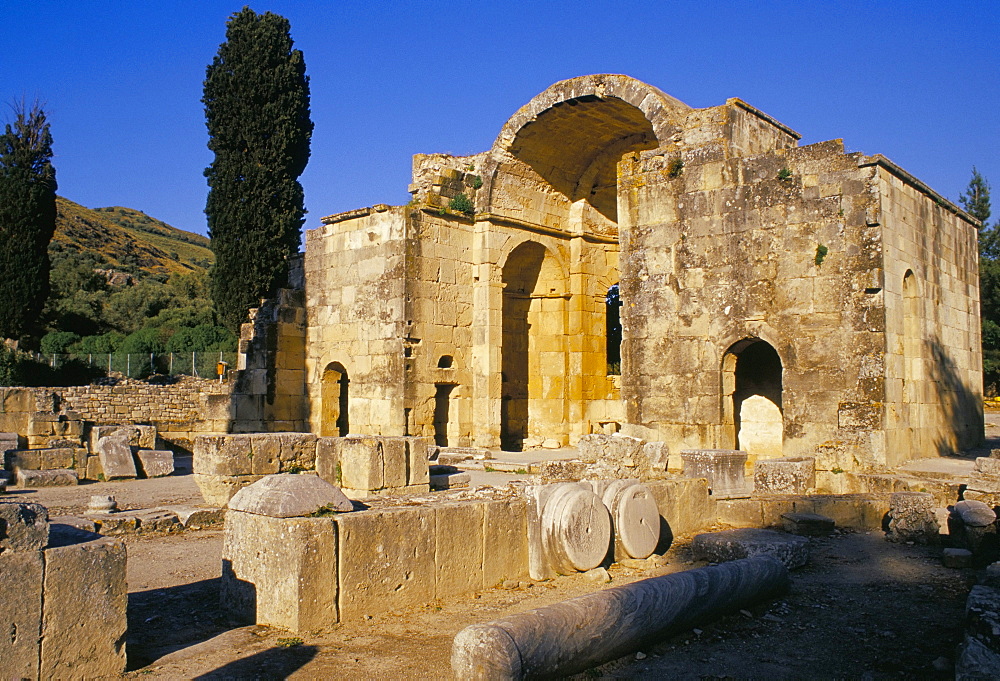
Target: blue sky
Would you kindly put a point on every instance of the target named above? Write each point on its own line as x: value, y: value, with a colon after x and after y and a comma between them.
x: 916, y: 81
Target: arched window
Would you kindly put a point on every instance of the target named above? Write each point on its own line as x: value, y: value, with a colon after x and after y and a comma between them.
x: 613, y: 333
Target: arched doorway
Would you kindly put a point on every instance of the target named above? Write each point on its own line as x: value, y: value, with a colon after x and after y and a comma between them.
x: 336, y: 401
x: 532, y: 351
x: 442, y: 412
x: 752, y: 398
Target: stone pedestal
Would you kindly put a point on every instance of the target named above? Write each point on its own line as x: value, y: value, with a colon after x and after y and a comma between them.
x: 725, y: 470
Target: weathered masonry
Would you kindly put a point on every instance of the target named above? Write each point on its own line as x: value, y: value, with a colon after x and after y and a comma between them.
x: 784, y: 300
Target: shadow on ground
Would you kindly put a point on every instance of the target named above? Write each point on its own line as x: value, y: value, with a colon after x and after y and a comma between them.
x: 273, y: 663
x: 162, y: 621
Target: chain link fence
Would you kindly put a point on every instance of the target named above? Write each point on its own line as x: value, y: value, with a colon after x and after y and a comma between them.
x: 133, y: 365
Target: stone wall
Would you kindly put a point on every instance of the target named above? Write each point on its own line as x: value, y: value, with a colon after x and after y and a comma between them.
x: 269, y: 391
x: 399, y: 554
x: 777, y: 299
x: 356, y: 323
x: 933, y: 363
x: 180, y: 411
x: 64, y: 606
x: 786, y: 251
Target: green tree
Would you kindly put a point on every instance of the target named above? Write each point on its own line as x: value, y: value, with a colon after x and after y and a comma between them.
x: 27, y: 219
x: 256, y: 101
x: 976, y: 202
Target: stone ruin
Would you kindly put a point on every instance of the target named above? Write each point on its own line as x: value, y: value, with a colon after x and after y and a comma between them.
x: 63, y: 605
x: 779, y: 300
x: 722, y: 322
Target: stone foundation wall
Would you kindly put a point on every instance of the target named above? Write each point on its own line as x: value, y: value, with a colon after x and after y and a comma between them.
x: 393, y: 556
x: 180, y: 411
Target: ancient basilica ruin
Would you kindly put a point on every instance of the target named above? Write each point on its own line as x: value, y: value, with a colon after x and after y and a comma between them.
x: 783, y: 300
x: 730, y: 328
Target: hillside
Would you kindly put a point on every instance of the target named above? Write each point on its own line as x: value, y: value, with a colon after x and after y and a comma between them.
x: 126, y: 239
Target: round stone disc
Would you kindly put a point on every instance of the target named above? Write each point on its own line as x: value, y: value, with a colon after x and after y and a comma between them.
x: 579, y: 528
x: 637, y: 521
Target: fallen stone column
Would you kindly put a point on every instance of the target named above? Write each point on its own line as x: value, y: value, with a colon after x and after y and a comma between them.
x: 582, y: 632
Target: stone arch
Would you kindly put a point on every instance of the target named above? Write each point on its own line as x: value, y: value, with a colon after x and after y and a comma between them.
x: 533, y: 352
x: 752, y: 397
x: 334, y: 383
x: 573, y: 134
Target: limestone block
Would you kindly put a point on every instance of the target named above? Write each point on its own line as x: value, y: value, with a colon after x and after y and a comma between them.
x: 394, y: 462
x: 980, y: 657
x: 972, y: 525
x: 685, y: 505
x: 116, y: 457
x: 155, y: 463
x: 280, y: 572
x: 155, y: 520
x: 193, y: 518
x: 115, y: 524
x: 361, y: 463
x: 956, y: 558
x: 57, y: 477
x: 761, y: 427
x: 807, y: 524
x: 21, y: 613
x: 505, y: 541
x: 912, y: 518
x: 417, y: 455
x: 217, y: 490
x: 287, y: 496
x: 448, y: 477
x: 298, y: 451
x: 327, y: 459
x: 86, y: 594
x: 988, y: 466
x: 723, y: 468
x: 10, y: 441
x: 727, y: 545
x: 657, y: 455
x: 141, y: 437
x: 94, y: 469
x: 41, y: 459
x: 23, y: 527
x: 784, y: 476
x: 562, y: 470
x: 265, y: 454
x: 72, y: 521
x: 223, y: 455
x: 861, y: 511
x: 386, y: 560
x: 459, y: 542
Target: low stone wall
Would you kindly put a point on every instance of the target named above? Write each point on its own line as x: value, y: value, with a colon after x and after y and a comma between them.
x: 305, y: 573
x: 363, y: 466
x: 64, y: 611
x: 858, y: 511
x: 181, y: 411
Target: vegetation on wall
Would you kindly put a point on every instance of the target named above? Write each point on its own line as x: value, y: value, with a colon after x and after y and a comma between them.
x: 27, y: 219
x: 256, y: 99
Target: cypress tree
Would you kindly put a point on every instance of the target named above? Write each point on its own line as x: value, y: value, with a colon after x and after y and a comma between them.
x: 256, y: 101
x: 27, y: 219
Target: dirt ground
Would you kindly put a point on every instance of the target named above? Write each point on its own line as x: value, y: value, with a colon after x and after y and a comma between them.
x: 863, y: 608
